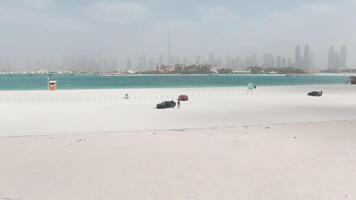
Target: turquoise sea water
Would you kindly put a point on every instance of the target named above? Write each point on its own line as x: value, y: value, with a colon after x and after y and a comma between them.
x: 66, y: 82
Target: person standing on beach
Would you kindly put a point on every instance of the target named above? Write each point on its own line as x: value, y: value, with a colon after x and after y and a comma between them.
x: 178, y: 103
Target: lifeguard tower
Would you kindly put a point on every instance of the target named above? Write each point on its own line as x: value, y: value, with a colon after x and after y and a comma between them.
x: 52, y: 85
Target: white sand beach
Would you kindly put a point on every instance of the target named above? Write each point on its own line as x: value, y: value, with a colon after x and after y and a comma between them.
x: 224, y: 143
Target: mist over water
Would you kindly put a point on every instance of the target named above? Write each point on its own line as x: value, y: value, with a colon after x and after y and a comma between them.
x: 45, y: 33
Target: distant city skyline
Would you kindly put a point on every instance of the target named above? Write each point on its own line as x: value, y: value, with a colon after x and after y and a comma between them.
x: 302, y: 60
x: 336, y: 59
x: 45, y: 31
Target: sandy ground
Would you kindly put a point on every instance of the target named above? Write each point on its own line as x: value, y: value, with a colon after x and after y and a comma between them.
x: 274, y: 144
x: 83, y: 112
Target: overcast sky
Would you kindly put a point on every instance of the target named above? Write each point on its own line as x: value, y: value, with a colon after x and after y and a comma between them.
x: 50, y: 29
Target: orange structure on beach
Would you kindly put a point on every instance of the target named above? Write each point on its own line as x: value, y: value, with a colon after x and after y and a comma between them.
x: 52, y: 85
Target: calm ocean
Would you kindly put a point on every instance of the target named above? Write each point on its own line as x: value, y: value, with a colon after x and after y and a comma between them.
x: 67, y: 82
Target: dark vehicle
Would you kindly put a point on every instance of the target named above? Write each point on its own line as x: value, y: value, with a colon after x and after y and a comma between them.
x: 316, y: 93
x: 183, y: 98
x: 166, y: 104
x: 351, y: 80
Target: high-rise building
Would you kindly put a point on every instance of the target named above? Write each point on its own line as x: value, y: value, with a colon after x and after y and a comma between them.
x: 331, y: 58
x: 185, y: 61
x: 228, y: 61
x: 279, y: 61
x: 290, y: 64
x: 307, y: 57
x: 270, y: 61
x: 303, y: 62
x: 197, y: 59
x: 284, y: 62
x: 254, y: 61
x: 178, y: 60
x: 337, y: 60
x: 151, y: 64
x: 343, y: 56
x: 212, y: 59
x: 114, y: 64
x: 128, y: 63
x: 144, y: 62
x: 273, y: 62
x: 169, y: 49
x: 161, y: 59
x: 237, y: 62
x: 265, y: 60
x: 298, y: 57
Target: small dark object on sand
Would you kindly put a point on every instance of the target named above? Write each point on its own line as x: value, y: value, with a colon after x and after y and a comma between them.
x: 316, y: 93
x: 166, y: 104
x: 183, y: 97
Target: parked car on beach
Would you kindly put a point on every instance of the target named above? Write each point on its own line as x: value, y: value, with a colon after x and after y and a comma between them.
x: 166, y: 104
x: 316, y: 93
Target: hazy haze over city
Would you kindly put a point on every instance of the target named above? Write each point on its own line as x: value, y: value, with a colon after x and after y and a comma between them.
x: 51, y: 29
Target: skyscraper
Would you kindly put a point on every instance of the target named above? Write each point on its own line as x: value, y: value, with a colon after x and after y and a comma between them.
x: 279, y: 61
x: 298, y: 57
x: 254, y: 60
x: 290, y: 64
x: 212, y: 59
x: 265, y: 60
x: 128, y: 63
x: 169, y: 49
x: 197, y: 59
x: 161, y: 59
x: 270, y: 61
x: 151, y: 64
x: 185, y: 61
x: 343, y: 57
x: 228, y: 61
x: 331, y: 58
x: 337, y: 60
x: 307, y: 57
x: 284, y: 62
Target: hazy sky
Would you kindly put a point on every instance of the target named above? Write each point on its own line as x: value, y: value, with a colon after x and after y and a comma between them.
x: 50, y: 29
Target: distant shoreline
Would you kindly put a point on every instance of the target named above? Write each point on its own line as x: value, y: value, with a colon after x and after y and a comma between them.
x: 84, y: 82
x: 138, y: 74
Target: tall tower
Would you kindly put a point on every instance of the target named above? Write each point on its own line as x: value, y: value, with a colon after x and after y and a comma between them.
x: 279, y: 61
x: 331, y: 58
x: 307, y: 59
x: 211, y: 59
x: 343, y: 55
x: 161, y: 60
x: 298, y: 57
x: 169, y: 49
x: 284, y: 62
x: 265, y: 60
x: 228, y: 61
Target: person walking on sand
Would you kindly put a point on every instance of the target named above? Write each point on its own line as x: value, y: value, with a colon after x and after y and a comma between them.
x: 178, y: 103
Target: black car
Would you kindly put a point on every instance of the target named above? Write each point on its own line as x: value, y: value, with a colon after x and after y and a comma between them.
x: 166, y: 104
x: 316, y: 93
